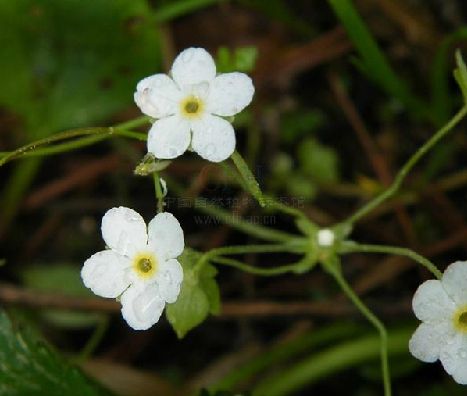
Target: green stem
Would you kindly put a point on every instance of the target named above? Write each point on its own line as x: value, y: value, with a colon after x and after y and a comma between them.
x: 250, y: 184
x: 248, y: 177
x: 158, y: 192
x: 337, y: 274
x: 394, y: 187
x: 399, y: 251
x: 327, y: 363
x: 94, y: 340
x: 299, y: 246
x: 101, y: 132
x: 254, y: 270
x: 245, y: 226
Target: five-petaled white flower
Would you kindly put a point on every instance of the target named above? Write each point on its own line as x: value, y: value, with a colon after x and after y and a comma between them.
x: 189, y: 107
x: 140, y: 265
x: 442, y: 308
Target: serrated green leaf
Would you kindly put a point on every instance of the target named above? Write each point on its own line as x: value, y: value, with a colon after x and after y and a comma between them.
x: 29, y: 367
x: 198, y: 297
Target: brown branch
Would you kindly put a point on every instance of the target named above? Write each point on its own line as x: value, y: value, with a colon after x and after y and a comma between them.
x: 14, y: 295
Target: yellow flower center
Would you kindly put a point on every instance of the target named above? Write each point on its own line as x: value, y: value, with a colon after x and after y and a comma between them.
x: 460, y: 319
x: 192, y: 107
x: 145, y: 265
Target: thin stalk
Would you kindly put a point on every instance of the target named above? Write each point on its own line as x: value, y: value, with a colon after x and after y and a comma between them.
x: 248, y: 177
x: 94, y: 341
x: 394, y: 187
x: 252, y: 269
x: 399, y: 251
x: 296, y: 248
x: 383, y: 335
x: 158, y: 192
x: 250, y: 184
x: 119, y: 129
x: 266, y: 248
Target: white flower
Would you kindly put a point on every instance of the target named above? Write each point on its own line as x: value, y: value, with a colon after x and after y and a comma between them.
x: 442, y: 308
x: 139, y: 266
x: 189, y: 107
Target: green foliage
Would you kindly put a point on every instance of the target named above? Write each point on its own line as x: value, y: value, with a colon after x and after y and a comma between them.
x: 372, y: 60
x: 299, y: 124
x: 199, y: 295
x: 460, y: 74
x: 62, y: 62
x: 62, y: 66
x: 440, y: 75
x: 318, y: 161
x: 29, y: 367
x: 331, y: 360
x: 242, y: 59
x: 176, y: 8
x: 63, y: 279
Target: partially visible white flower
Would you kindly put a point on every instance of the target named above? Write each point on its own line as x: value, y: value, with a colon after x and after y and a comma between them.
x: 189, y: 107
x: 139, y: 265
x: 442, y: 308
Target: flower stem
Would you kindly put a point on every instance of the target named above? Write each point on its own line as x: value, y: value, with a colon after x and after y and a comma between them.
x: 94, y: 340
x: 250, y: 184
x: 299, y: 246
x: 265, y: 248
x: 158, y: 192
x: 254, y: 270
x: 248, y: 177
x: 394, y: 187
x: 101, y: 132
x: 399, y: 251
x: 383, y: 335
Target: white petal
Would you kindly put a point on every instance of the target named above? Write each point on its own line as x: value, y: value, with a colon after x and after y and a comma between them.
x: 166, y: 236
x: 213, y: 138
x: 453, y: 356
x: 142, y: 306
x: 169, y: 137
x: 431, y: 302
x: 230, y: 93
x: 169, y: 278
x: 460, y: 372
x: 428, y: 340
x: 124, y: 230
x: 455, y: 280
x: 157, y: 96
x: 104, y: 273
x: 192, y: 66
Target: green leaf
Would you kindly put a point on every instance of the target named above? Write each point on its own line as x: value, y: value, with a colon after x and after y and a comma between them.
x: 318, y: 161
x: 66, y: 64
x: 460, y: 74
x: 29, y: 367
x: 242, y: 59
x: 198, y: 297
x: 63, y: 279
x: 373, y: 61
